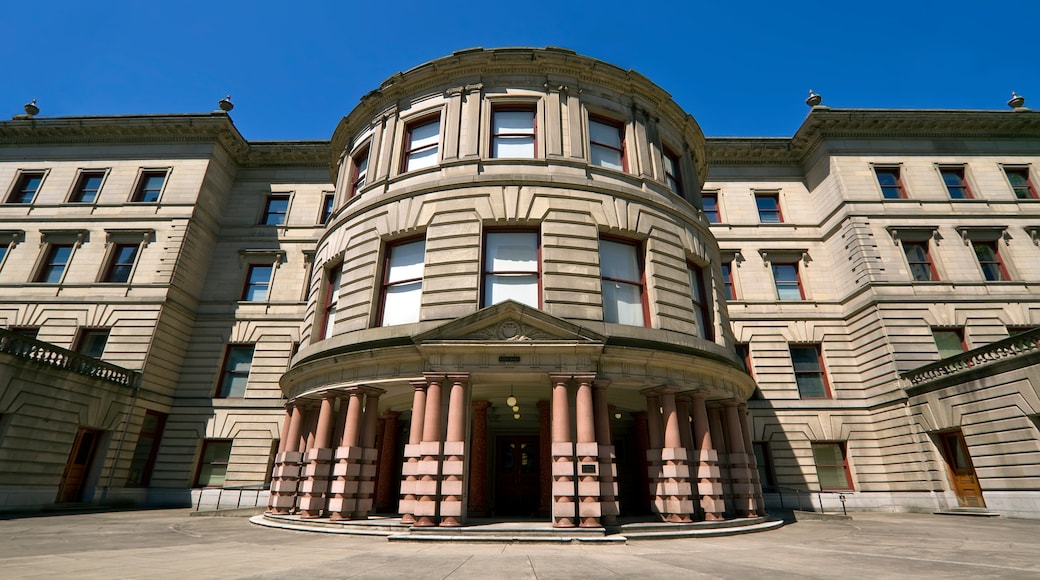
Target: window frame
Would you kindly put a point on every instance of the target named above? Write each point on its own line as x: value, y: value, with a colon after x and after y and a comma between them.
x: 407, y: 152
x: 699, y: 276
x: 925, y: 246
x: 19, y: 185
x: 267, y: 213
x: 485, y: 273
x: 778, y: 283
x: 619, y: 126
x: 957, y: 332
x: 1030, y: 186
x: 140, y: 187
x: 961, y: 172
x: 82, y: 335
x: 843, y: 450
x: 765, y: 464
x: 112, y: 263
x: 359, y: 179
x: 514, y: 107
x: 717, y: 212
x: 673, y: 180
x: 148, y: 467
x: 820, y: 370
x: 78, y: 186
x: 1003, y: 274
x: 45, y: 263
x: 248, y: 285
x: 385, y: 285
x: 202, y: 456
x: 331, y: 282
x: 729, y: 285
x: 775, y: 197
x: 328, y: 207
x: 640, y: 255
x: 899, y: 187
x: 227, y: 375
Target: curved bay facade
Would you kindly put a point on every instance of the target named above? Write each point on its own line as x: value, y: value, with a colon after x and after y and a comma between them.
x: 516, y: 283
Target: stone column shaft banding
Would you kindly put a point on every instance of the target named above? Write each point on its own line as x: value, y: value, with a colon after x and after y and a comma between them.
x: 563, y: 488
x: 740, y: 474
x: 412, y: 453
x: 756, y: 481
x: 428, y: 491
x: 587, y: 455
x: 285, y: 473
x: 607, y: 469
x: 670, y: 468
x: 709, y: 486
x: 453, y: 462
x: 314, y: 480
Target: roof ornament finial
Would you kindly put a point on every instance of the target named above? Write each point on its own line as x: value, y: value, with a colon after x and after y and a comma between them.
x: 31, y: 108
x: 225, y: 104
x: 1016, y: 101
x: 814, y: 99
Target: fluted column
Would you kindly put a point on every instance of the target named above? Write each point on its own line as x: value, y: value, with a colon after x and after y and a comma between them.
x: 708, y: 485
x: 740, y: 474
x: 285, y: 473
x: 412, y: 454
x: 563, y: 505
x: 453, y: 464
x: 429, y: 469
x: 385, y: 480
x: 607, y: 468
x: 317, y: 460
x: 758, y: 504
x: 478, y: 457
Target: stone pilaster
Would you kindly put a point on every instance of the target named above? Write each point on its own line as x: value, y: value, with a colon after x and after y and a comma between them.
x: 709, y: 486
x: 564, y: 491
x: 412, y: 454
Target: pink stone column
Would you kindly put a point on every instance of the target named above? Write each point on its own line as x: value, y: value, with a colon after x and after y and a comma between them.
x: 708, y: 485
x: 285, y: 473
x: 674, y: 491
x: 756, y: 481
x: 682, y: 409
x: 564, y: 491
x: 317, y: 460
x: 607, y: 469
x: 429, y: 472
x: 344, y: 489
x: 587, y: 453
x: 453, y: 463
x: 478, y: 457
x: 740, y: 475
x: 412, y: 453
x: 385, y: 480
x: 722, y: 447
x: 367, y: 475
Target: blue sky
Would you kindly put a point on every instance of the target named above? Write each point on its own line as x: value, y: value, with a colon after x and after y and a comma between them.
x: 294, y: 69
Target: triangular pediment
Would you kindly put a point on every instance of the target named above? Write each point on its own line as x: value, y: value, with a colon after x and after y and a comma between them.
x: 509, y: 321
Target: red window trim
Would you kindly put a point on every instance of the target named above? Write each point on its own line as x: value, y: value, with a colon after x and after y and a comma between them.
x: 20, y: 183
x: 960, y: 172
x: 769, y: 195
x: 928, y: 256
x: 538, y: 256
x: 718, y: 210
x: 898, y: 172
x: 728, y: 285
x: 327, y: 302
x: 409, y: 127
x: 224, y: 366
x: 247, y: 286
x: 797, y: 277
x: 514, y: 107
x: 994, y: 246
x: 113, y: 264
x: 142, y: 179
x: 620, y: 126
x: 1030, y: 188
x: 202, y: 456
x: 364, y: 153
x: 819, y: 361
x: 705, y: 308
x: 388, y: 249
x: 676, y: 160
x: 640, y: 260
x: 842, y: 446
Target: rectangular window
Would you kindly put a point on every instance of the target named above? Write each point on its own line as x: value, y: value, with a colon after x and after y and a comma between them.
x: 143, y: 461
x: 327, y: 203
x: 672, y: 175
x: 621, y: 274
x: 606, y: 144
x: 149, y: 187
x: 333, y: 276
x: 26, y: 187
x: 511, y: 268
x: 422, y: 141
x: 956, y: 185
x: 890, y: 182
x: 87, y: 187
x: 121, y: 263
x: 949, y: 342
x: 275, y: 210
x: 832, y: 469
x: 764, y: 461
x: 920, y: 261
x: 1018, y: 177
x: 56, y: 258
x: 92, y: 342
x: 744, y: 352
x: 234, y: 373
x: 769, y: 208
x: 213, y: 462
x: 513, y: 133
x: 988, y: 255
x: 787, y: 281
x: 701, y: 305
x: 402, y: 283
x: 258, y: 282
x: 710, y: 203
x: 727, y: 281
x: 807, y: 362
x: 359, y: 175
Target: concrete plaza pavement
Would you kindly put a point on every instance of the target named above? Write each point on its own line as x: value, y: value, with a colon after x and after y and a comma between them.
x: 170, y: 544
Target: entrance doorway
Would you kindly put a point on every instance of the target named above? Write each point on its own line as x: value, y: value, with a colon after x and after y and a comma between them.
x: 962, y: 472
x: 84, y: 448
x: 516, y: 475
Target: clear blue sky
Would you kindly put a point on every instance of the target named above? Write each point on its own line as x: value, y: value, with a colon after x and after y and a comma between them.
x: 295, y: 68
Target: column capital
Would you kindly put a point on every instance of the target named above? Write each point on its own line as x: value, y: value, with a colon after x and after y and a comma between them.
x: 481, y: 405
x: 419, y: 384
x: 699, y: 395
x: 458, y: 377
x: 730, y: 402
x: 435, y: 377
x: 600, y: 384
x: 560, y: 378
x: 584, y: 377
x: 660, y: 390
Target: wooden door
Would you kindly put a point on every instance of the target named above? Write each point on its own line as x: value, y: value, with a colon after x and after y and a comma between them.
x: 84, y: 448
x: 962, y: 472
x: 516, y: 475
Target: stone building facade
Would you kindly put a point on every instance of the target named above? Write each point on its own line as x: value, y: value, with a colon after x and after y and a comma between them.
x: 522, y: 282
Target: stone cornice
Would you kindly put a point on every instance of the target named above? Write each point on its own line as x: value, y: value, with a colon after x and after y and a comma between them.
x: 823, y: 124
x: 215, y: 128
